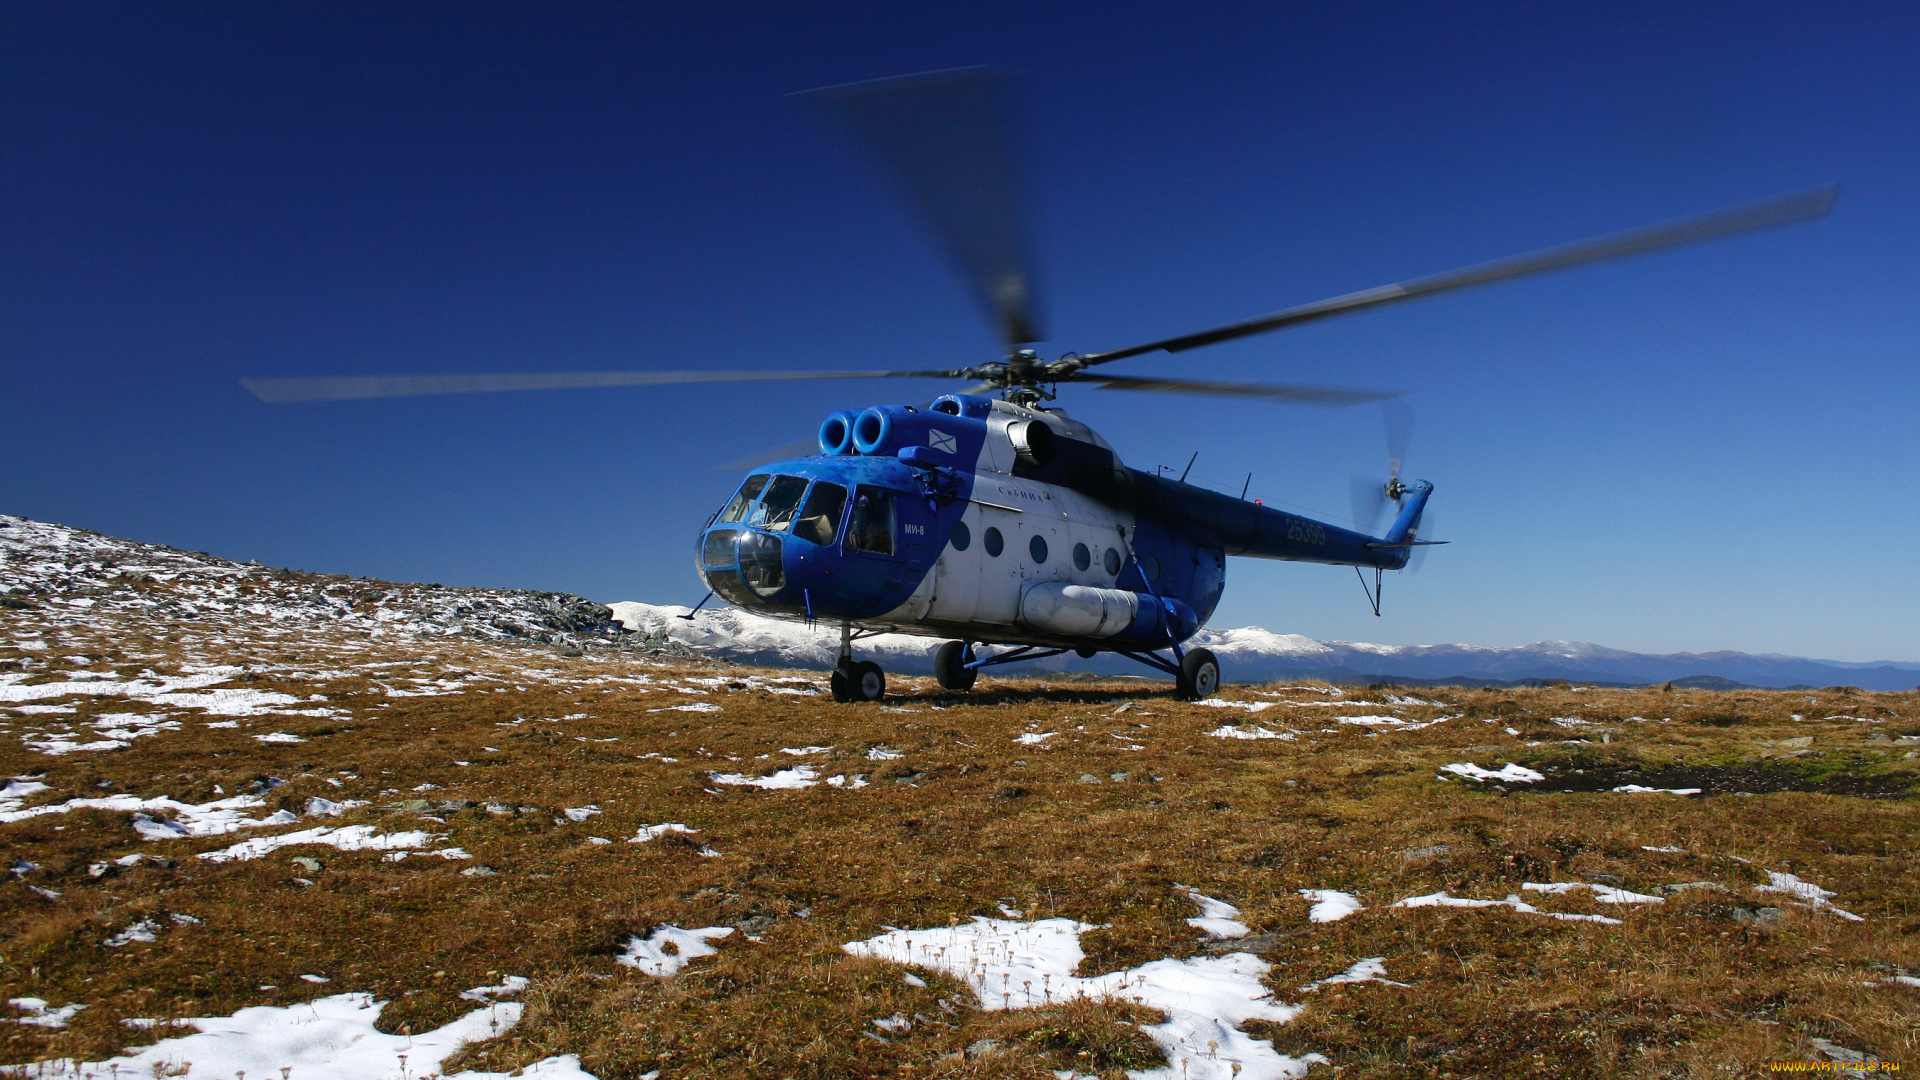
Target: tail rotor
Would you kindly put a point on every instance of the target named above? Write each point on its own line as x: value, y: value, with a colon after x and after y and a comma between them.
x: 1370, y: 497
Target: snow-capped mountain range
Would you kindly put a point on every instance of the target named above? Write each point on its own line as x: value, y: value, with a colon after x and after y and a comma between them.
x: 90, y: 577
x: 1251, y: 654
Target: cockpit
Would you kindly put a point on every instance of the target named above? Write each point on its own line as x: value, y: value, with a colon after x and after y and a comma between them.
x: 744, y: 552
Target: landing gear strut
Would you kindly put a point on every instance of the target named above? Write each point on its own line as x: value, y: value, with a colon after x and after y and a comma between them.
x: 850, y: 681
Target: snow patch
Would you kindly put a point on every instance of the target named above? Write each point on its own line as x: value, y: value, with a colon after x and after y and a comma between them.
x: 669, y: 948
x: 1330, y: 905
x: 1510, y: 773
x: 1017, y: 965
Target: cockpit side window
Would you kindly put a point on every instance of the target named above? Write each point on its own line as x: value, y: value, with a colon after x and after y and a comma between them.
x: 820, y: 521
x: 872, y: 528
x: 743, y: 498
x: 776, y: 508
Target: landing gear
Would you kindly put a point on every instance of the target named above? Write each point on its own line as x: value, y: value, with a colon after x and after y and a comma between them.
x: 850, y: 681
x: 1199, y: 675
x: 950, y: 667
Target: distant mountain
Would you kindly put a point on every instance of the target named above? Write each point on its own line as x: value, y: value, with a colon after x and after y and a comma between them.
x: 1251, y: 654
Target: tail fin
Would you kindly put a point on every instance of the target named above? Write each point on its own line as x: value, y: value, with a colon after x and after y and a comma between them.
x: 1406, y: 527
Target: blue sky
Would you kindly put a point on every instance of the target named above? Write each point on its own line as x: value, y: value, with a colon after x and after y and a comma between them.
x: 1708, y: 448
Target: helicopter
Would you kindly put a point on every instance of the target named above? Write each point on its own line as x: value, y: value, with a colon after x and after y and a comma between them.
x: 989, y: 517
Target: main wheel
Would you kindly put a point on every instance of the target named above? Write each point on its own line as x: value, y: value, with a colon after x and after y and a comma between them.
x: 1199, y: 675
x: 869, y: 682
x: 950, y: 668
x: 841, y: 683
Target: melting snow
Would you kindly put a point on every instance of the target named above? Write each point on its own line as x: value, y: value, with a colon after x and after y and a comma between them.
x: 1372, y: 969
x: 1250, y: 706
x: 655, y: 832
x: 1330, y: 905
x: 1606, y: 894
x: 1015, y: 965
x: 1441, y: 899
x: 205, y: 819
x: 1511, y: 773
x: 40, y: 1016
x: 1636, y: 789
x: 347, y: 838
x: 1814, y: 895
x: 798, y: 777
x: 648, y: 954
x: 1228, y: 731
x: 581, y: 813
x: 1032, y: 738
x: 1217, y: 917
x: 331, y: 1038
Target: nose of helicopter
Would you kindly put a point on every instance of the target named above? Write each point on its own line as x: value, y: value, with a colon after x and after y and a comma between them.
x: 743, y: 566
x: 768, y: 571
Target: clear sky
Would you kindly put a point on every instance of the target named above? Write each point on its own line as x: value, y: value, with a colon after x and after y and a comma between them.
x: 1709, y: 448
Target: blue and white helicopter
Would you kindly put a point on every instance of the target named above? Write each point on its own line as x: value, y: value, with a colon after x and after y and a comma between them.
x: 990, y: 517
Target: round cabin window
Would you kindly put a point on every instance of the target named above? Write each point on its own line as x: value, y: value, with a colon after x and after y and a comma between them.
x: 1037, y: 547
x: 993, y: 542
x: 960, y: 536
x: 1152, y: 567
x: 1112, y: 562
x: 1082, y: 558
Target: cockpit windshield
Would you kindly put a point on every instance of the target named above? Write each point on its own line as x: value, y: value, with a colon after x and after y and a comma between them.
x: 777, y: 506
x: 820, y: 521
x: 743, y: 498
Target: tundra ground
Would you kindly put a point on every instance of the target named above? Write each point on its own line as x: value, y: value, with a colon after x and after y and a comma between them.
x: 1797, y: 936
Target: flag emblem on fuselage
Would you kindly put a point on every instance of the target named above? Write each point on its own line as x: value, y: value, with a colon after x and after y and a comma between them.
x: 943, y: 442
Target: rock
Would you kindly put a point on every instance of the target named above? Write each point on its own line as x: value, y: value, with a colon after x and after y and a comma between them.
x: 303, y: 862
x: 1252, y: 943
x: 1428, y: 852
x: 1089, y: 778
x: 1116, y: 777
x: 1614, y: 880
x: 1833, y: 1051
x: 412, y: 806
x: 479, y: 871
x: 1757, y: 916
x: 1669, y: 890
x: 1009, y: 791
x: 754, y: 924
x: 984, y: 1048
x: 503, y: 809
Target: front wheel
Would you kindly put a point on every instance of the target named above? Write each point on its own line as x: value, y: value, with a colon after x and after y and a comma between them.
x: 950, y: 668
x: 869, y: 682
x: 1199, y: 675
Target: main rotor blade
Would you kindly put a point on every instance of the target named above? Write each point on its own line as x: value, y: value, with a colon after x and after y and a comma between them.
x: 1333, y: 397
x: 1782, y: 210
x: 345, y: 387
x: 943, y: 139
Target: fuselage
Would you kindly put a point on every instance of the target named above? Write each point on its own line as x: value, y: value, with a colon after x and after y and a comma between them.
x: 992, y: 522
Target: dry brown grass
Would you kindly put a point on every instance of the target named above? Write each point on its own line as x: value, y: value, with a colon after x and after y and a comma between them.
x: 967, y: 819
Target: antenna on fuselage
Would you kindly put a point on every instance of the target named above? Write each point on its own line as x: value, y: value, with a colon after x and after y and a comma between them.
x: 1189, y: 468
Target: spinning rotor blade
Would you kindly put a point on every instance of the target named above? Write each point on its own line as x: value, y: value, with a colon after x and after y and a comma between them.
x: 345, y: 387
x: 1782, y: 210
x: 1327, y: 396
x: 1397, y: 419
x: 942, y: 138
x: 1369, y: 498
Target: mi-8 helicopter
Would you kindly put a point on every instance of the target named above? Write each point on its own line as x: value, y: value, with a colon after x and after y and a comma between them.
x: 990, y: 517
